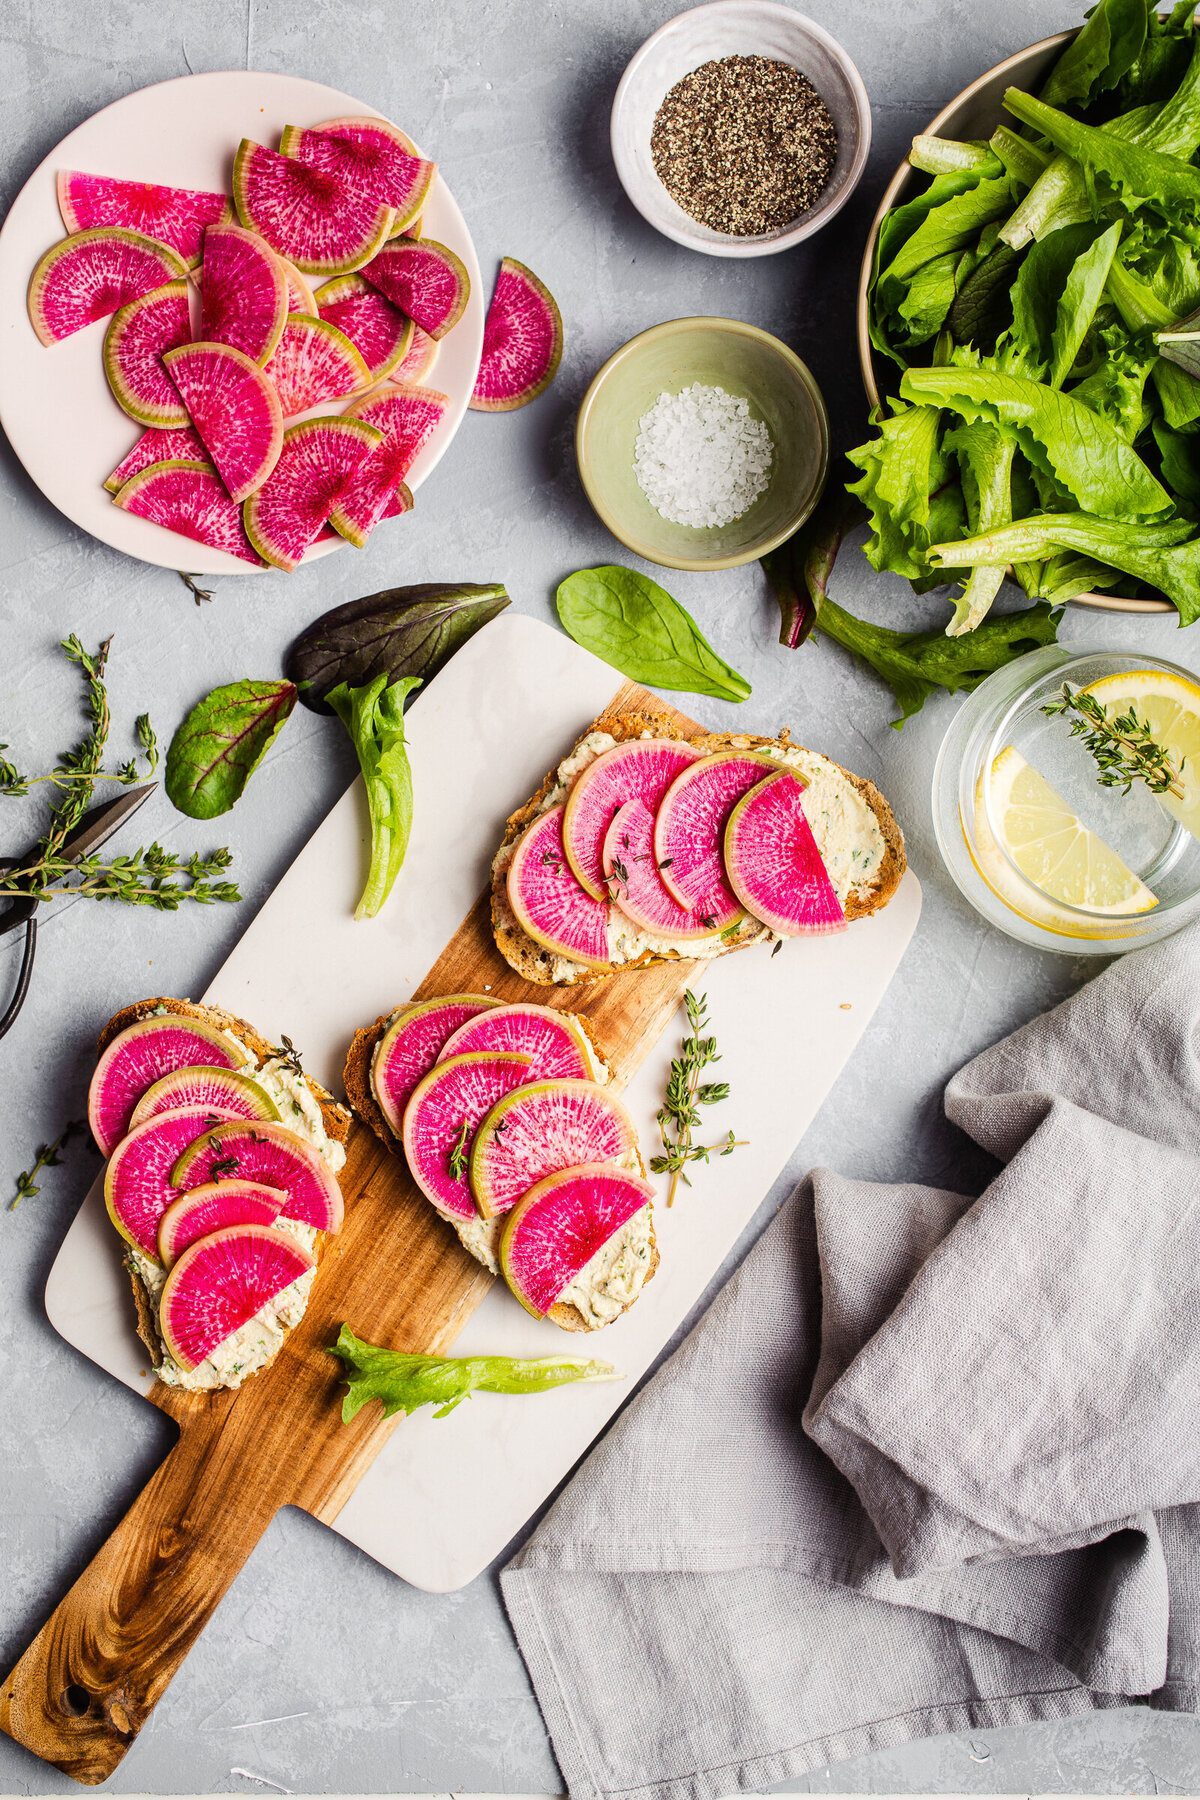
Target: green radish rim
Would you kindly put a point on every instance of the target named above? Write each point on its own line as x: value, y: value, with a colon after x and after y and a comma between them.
x: 244, y: 1084
x: 368, y: 245
x: 162, y: 418
x: 251, y: 512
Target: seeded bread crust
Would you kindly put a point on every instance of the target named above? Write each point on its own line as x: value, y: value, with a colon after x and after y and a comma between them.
x: 530, y: 960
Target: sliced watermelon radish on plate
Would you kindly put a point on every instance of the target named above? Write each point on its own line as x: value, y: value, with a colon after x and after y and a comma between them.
x: 440, y: 1120
x: 234, y: 408
x: 238, y: 1095
x: 133, y: 355
x: 300, y: 294
x: 244, y: 292
x: 419, y: 359
x: 271, y: 1155
x: 221, y: 1283
x: 689, y: 829
x: 400, y: 503
x: 411, y: 1045
x: 88, y: 276
x: 212, y: 1208
x: 379, y: 331
x: 553, y: 1043
x: 141, y: 1055
x: 317, y: 462
x: 635, y: 884
x: 559, y: 1226
x: 309, y: 216
x: 181, y: 443
x: 538, y: 1130
x: 522, y: 341
x: 369, y: 156
x: 314, y: 361
x: 773, y: 862
x: 137, y: 1181
x: 190, y: 498
x: 406, y: 417
x: 173, y: 216
x: 641, y: 769
x: 547, y: 900
x: 425, y: 280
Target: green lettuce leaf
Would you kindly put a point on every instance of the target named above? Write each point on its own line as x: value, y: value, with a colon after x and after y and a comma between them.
x: 985, y: 456
x: 1078, y: 301
x: 374, y: 716
x: 1155, y: 554
x: 1135, y: 174
x: 901, y: 470
x: 1100, y: 54
x: 404, y: 1380
x: 1058, y: 434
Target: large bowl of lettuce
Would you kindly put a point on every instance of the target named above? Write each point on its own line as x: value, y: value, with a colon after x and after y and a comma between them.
x: 1026, y: 329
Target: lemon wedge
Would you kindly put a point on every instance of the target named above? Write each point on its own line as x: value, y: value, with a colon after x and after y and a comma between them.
x: 1170, y: 706
x: 1054, y: 850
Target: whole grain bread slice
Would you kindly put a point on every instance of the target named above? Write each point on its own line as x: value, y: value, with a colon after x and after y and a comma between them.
x: 536, y: 964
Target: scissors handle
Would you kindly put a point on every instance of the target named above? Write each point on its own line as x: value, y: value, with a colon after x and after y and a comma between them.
x: 9, y: 1017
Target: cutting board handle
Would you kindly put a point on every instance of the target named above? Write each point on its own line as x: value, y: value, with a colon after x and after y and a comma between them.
x: 87, y: 1684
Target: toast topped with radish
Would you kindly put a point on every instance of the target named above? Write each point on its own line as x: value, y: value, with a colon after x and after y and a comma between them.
x: 643, y: 846
x: 506, y: 1117
x: 222, y: 1181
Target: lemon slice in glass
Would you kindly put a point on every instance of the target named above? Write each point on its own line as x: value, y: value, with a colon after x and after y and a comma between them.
x: 1170, y: 706
x: 1054, y: 850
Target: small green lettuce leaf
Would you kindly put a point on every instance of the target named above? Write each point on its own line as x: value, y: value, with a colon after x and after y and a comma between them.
x: 1100, y: 54
x: 1155, y: 554
x: 374, y: 717
x: 404, y: 1380
x: 1135, y: 174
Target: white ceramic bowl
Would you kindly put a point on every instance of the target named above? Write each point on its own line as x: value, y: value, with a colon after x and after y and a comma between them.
x: 736, y: 28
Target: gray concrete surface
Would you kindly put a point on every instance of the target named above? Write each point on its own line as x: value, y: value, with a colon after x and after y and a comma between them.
x: 320, y: 1671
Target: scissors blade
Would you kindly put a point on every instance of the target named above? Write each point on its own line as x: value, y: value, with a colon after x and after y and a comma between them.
x: 100, y: 822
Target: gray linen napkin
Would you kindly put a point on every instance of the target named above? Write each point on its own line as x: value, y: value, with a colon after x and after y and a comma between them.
x: 927, y: 1463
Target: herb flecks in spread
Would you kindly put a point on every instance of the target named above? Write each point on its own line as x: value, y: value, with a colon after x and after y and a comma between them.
x: 679, y: 1115
x: 402, y: 1380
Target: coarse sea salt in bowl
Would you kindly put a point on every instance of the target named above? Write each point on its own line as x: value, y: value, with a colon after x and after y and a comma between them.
x: 702, y: 456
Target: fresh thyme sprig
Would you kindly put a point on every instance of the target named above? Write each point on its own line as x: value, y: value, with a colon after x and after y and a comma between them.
x: 48, y: 1157
x: 1123, y: 745
x: 686, y: 1094
x: 458, y: 1156
x: 152, y: 876
x: 193, y: 587
x: 289, y: 1056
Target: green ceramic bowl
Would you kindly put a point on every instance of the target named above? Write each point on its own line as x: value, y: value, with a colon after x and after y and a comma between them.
x: 719, y: 353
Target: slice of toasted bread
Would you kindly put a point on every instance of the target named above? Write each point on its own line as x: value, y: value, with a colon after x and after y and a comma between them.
x: 537, y: 964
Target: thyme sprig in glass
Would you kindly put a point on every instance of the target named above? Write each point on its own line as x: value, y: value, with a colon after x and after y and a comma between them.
x: 679, y: 1116
x: 151, y: 876
x: 1122, y: 744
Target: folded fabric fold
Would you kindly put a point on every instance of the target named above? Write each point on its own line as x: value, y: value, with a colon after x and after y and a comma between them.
x: 928, y: 1461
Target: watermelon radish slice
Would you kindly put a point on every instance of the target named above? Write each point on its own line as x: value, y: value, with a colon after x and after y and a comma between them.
x: 314, y: 361
x: 137, y: 1181
x: 238, y: 1095
x: 369, y: 157
x: 141, y: 1055
x: 642, y: 769
x: 773, y: 863
x: 271, y: 1155
x: 424, y: 279
x: 637, y: 887
x: 554, y: 1045
x: 419, y: 360
x: 522, y: 341
x: 221, y: 1283
x: 179, y: 444
x: 411, y: 1045
x: 689, y: 829
x: 212, y: 1208
x: 540, y: 1129
x: 173, y: 216
x: 316, y: 464
x: 308, y: 215
x: 190, y: 498
x: 133, y: 355
x: 88, y: 276
x: 400, y: 502
x: 441, y: 1117
x: 301, y: 297
x: 244, y: 292
x: 406, y: 417
x: 379, y: 331
x: 560, y: 1225
x: 234, y: 408
x: 549, y: 903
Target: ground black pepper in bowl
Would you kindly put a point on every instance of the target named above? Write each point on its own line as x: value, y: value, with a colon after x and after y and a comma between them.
x: 744, y: 144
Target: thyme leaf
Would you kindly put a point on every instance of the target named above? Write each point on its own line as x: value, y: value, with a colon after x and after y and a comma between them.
x: 686, y: 1093
x: 1122, y: 744
x: 48, y: 1157
x: 458, y: 1156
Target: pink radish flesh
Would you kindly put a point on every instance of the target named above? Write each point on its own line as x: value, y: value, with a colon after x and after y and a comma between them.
x: 540, y: 1129
x: 635, y: 884
x: 141, y: 1055
x: 440, y: 1121
x: 219, y: 1285
x: 212, y: 1208
x: 642, y: 769
x: 560, y: 1225
x: 689, y: 829
x: 271, y: 1156
x: 553, y: 1043
x: 774, y: 864
x: 410, y: 1047
x: 137, y: 1181
x: 549, y: 903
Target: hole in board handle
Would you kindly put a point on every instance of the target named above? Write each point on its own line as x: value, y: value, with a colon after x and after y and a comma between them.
x: 75, y: 1701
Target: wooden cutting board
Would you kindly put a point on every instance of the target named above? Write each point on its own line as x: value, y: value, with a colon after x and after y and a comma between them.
x: 82, y: 1691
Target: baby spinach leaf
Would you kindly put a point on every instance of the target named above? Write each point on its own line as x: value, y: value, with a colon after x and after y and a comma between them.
x: 402, y: 631
x: 1057, y: 434
x: 374, y: 716
x: 983, y: 305
x: 633, y: 624
x: 403, y: 1380
x: 221, y: 742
